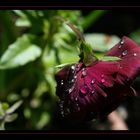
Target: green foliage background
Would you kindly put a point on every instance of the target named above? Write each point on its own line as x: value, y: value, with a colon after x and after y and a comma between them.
x: 32, y: 44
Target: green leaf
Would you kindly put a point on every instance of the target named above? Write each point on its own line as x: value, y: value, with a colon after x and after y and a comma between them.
x: 23, y: 22
x: 13, y: 107
x: 20, y: 13
x: 27, y: 113
x: 44, y: 119
x: 1, y: 110
x: 5, y: 106
x: 110, y: 58
x: 65, y: 56
x: 63, y: 65
x: 19, y: 53
x: 10, y: 118
x: 136, y: 36
x: 101, y: 42
x: 2, y: 125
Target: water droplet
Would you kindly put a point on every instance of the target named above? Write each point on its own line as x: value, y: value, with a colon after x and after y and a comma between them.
x: 122, y: 42
x: 76, y: 99
x: 121, y: 67
x: 72, y: 81
x: 84, y: 89
x: 78, y: 108
x: 75, y: 77
x: 78, y: 67
x: 61, y: 106
x: 73, y: 67
x: 119, y: 46
x: 67, y: 110
x: 102, y: 80
x: 62, y: 113
x: 102, y: 75
x: 92, y: 91
x: 84, y: 72
x: 71, y: 89
x: 62, y: 82
x: 93, y: 81
x: 125, y: 53
x: 83, y: 69
x: 135, y: 54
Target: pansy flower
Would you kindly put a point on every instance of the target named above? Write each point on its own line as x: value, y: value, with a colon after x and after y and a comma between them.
x: 95, y: 90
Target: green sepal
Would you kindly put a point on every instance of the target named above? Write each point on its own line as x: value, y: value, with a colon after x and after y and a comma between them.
x: 87, y: 54
x: 110, y: 58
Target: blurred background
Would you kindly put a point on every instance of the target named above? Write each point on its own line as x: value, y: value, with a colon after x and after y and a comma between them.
x: 34, y: 42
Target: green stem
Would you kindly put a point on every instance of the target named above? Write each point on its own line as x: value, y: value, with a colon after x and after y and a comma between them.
x: 9, y: 32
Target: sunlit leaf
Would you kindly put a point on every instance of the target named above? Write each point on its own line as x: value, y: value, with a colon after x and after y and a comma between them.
x: 2, y: 125
x: 27, y: 113
x: 10, y: 118
x: 136, y: 35
x: 63, y: 65
x: 20, y: 53
x: 14, y: 107
x: 101, y: 42
x: 23, y: 22
x: 19, y: 13
x: 44, y: 119
x: 5, y: 106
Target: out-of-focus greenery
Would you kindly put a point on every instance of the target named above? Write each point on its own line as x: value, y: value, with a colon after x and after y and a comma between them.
x: 32, y: 44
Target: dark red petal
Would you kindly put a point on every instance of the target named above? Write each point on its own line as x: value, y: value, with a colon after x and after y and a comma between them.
x: 61, y: 77
x: 88, y: 91
x: 129, y: 52
x: 95, y: 91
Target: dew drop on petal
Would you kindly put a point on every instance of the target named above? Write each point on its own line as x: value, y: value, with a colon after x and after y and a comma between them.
x: 76, y: 99
x: 121, y: 67
x: 102, y: 80
x: 61, y: 106
x: 62, y: 113
x: 119, y: 46
x: 102, y: 75
x: 73, y: 67
x: 78, y: 67
x: 78, y: 108
x: 68, y: 110
x: 92, y: 92
x: 122, y: 42
x: 62, y: 82
x: 72, y: 80
x: 93, y: 81
x: 125, y: 53
x: 71, y: 89
x: 75, y: 77
x: 84, y: 72
x: 84, y: 90
x: 135, y: 54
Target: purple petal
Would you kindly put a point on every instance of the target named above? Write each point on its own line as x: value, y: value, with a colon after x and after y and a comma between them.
x: 129, y: 52
x: 95, y: 91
